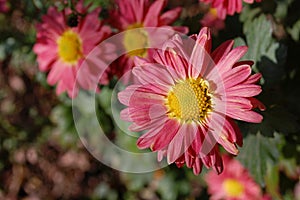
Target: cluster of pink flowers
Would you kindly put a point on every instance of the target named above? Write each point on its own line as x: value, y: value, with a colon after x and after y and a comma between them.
x: 185, y: 97
x: 218, y: 11
x: 61, y: 49
x: 132, y: 14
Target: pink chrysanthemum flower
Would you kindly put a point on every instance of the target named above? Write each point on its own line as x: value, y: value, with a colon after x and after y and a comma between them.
x: 228, y: 7
x: 3, y: 6
x: 212, y: 21
x: 61, y: 49
x: 187, y: 97
x: 133, y: 14
x: 235, y: 183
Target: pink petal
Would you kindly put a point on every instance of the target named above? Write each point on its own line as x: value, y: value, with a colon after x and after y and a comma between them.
x: 159, y: 122
x: 139, y: 61
x: 68, y: 77
x: 155, y: 74
x: 60, y: 88
x: 244, y: 90
x: 200, y: 58
x: 228, y: 145
x: 145, y: 114
x: 233, y: 131
x: 160, y: 155
x: 231, y: 58
x: 166, y: 135
x: 238, y: 103
x: 56, y: 73
x: 246, y: 115
x: 236, y: 75
x: 204, y: 39
x: 181, y: 29
x: 253, y: 78
x: 153, y: 13
x: 218, y: 166
x: 180, y: 143
x: 147, y: 139
x: 257, y: 104
x: 167, y: 59
x: 137, y: 96
x: 170, y: 16
x: 197, y: 167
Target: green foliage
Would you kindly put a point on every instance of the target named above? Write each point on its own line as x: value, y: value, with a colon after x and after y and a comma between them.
x: 258, y: 153
x: 262, y: 46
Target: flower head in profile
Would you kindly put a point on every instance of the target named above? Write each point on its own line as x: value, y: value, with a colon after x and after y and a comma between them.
x: 133, y: 16
x: 228, y: 7
x: 61, y: 47
x: 235, y: 183
x: 187, y: 99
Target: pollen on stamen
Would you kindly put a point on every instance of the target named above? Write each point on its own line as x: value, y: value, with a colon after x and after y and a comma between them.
x: 136, y: 40
x: 69, y: 47
x: 189, y: 100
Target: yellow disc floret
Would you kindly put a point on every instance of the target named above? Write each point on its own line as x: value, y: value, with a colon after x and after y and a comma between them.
x: 214, y: 12
x: 69, y: 47
x: 189, y: 100
x: 136, y: 40
x: 233, y: 188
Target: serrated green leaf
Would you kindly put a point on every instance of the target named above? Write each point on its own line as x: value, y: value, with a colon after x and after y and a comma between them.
x: 260, y: 41
x: 269, y: 56
x: 257, y: 153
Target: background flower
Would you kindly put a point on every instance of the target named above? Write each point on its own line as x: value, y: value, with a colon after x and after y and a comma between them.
x: 61, y: 47
x: 228, y: 7
x: 3, y: 6
x: 211, y: 20
x: 132, y: 16
x: 233, y: 184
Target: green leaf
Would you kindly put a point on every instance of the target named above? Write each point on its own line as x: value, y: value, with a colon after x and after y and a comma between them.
x: 239, y: 42
x: 269, y: 56
x: 272, y: 180
x: 259, y: 152
x: 259, y: 39
x: 249, y: 14
x: 295, y: 31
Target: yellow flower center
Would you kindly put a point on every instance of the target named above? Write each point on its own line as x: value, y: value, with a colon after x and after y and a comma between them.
x: 233, y: 188
x: 214, y: 12
x: 69, y: 47
x: 136, y: 40
x: 189, y: 100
